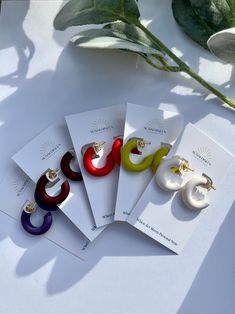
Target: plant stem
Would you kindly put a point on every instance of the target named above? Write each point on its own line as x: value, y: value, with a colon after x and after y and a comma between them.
x: 159, y: 67
x: 164, y: 67
x: 185, y: 68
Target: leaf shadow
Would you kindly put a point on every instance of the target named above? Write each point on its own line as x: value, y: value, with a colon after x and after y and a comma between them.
x: 35, y: 94
x: 13, y: 36
x: 96, y: 78
x: 118, y: 240
x: 219, y: 260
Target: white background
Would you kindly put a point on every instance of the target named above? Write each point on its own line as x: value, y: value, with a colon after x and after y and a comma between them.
x: 126, y: 272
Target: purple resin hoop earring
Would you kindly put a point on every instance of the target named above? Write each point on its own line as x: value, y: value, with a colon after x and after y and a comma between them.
x: 29, y: 227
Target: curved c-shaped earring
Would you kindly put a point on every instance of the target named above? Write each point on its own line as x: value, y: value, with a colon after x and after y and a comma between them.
x: 116, y: 150
x: 92, y: 152
x: 190, y: 188
x: 167, y: 178
x: 29, y: 227
x: 66, y: 169
x: 159, y: 155
x: 129, y: 147
x: 45, y: 198
x: 46, y: 207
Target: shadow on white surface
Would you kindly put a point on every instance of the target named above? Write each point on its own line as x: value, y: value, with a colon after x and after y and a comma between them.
x: 215, y: 273
x: 80, y: 83
x: 85, y: 79
x: 16, y: 38
x: 120, y: 240
x: 180, y: 211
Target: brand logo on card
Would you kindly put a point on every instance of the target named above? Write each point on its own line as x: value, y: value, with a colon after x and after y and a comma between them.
x: 101, y: 126
x: 20, y: 185
x: 204, y: 155
x: 49, y: 149
x: 155, y: 127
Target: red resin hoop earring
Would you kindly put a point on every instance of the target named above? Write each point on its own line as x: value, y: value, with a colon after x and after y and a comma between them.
x: 66, y: 169
x: 116, y: 150
x: 41, y: 189
x: 88, y: 164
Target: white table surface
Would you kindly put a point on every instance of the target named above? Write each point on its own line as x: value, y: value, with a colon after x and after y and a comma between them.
x: 127, y: 273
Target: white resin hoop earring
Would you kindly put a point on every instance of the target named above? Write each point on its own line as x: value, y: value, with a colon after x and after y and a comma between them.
x: 189, y: 197
x: 166, y: 178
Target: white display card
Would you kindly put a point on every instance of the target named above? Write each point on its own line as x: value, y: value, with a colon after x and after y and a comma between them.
x: 16, y: 188
x: 153, y: 125
x: 101, y: 125
x: 163, y: 215
x: 45, y: 151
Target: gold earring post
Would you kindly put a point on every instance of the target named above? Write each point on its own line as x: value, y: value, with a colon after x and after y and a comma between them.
x: 210, y: 185
x: 98, y: 146
x: 142, y: 143
x: 30, y: 207
x: 53, y: 173
x: 185, y: 166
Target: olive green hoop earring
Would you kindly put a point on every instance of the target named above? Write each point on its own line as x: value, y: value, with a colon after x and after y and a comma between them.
x: 159, y: 156
x: 131, y: 145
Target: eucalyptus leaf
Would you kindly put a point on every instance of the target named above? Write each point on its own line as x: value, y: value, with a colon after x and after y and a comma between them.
x: 222, y: 45
x: 132, y: 33
x: 134, y: 36
x: 200, y: 19
x: 107, y: 39
x: 82, y: 12
x: 218, y: 14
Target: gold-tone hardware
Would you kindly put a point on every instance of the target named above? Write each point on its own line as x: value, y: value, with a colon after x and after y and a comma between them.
x: 98, y: 146
x: 142, y: 143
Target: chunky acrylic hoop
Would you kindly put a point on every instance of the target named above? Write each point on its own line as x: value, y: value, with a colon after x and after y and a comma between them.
x: 159, y: 156
x: 46, y: 207
x: 131, y: 145
x: 29, y: 227
x: 66, y: 169
x: 90, y: 153
x: 189, y: 192
x: 44, y: 197
x: 169, y: 173
x: 116, y: 150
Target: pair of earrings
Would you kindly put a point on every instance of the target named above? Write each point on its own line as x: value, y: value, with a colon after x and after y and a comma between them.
x: 91, y: 152
x: 46, y: 202
x: 169, y: 177
x: 119, y: 154
x: 52, y: 176
x: 135, y: 145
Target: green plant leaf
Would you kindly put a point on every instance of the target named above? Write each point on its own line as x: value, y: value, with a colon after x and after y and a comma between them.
x: 200, y: 19
x: 82, y: 12
x: 222, y: 45
x: 105, y: 38
x: 218, y: 14
x: 132, y: 33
